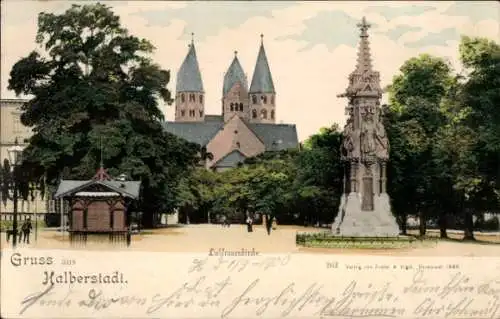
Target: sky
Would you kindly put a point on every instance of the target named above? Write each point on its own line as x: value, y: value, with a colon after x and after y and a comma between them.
x: 311, y: 46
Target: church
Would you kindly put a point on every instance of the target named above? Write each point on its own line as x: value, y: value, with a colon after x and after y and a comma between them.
x: 246, y: 126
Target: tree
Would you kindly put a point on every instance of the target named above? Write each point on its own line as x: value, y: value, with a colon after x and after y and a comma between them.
x: 412, y: 120
x: 318, y: 184
x: 95, y: 95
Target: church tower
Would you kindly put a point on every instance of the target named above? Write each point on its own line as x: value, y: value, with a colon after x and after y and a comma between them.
x: 365, y: 206
x: 262, y: 93
x: 235, y: 91
x: 189, y: 95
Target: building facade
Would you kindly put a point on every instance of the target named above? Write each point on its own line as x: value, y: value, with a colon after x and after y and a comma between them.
x: 246, y: 126
x: 12, y: 130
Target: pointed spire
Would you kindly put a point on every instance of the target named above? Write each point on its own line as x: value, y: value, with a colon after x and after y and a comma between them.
x: 364, y: 80
x: 101, y: 174
x: 234, y: 74
x: 262, y: 80
x: 189, y: 75
x: 364, y: 61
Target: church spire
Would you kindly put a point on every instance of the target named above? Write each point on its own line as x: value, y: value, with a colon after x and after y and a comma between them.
x: 189, y: 75
x: 234, y: 74
x: 262, y: 80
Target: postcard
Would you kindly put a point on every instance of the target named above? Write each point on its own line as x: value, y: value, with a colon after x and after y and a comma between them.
x: 260, y: 159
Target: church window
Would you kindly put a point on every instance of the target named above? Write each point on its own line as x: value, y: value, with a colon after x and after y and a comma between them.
x: 254, y: 99
x: 232, y: 107
x: 238, y: 145
x: 183, y: 98
x: 191, y: 98
x: 272, y: 114
x: 254, y: 114
x: 192, y: 113
x: 272, y: 99
x: 183, y: 113
x: 201, y: 99
x: 241, y: 107
x: 201, y: 113
x: 263, y: 114
x: 264, y: 99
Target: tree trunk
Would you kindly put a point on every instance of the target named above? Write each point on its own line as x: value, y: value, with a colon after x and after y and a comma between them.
x: 404, y: 225
x: 468, y: 225
x: 422, y: 226
x: 443, y: 225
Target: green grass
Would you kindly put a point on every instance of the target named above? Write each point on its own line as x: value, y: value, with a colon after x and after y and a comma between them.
x: 7, y: 224
x: 328, y: 240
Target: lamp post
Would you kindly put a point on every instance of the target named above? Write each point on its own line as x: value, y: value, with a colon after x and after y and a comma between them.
x: 15, y: 157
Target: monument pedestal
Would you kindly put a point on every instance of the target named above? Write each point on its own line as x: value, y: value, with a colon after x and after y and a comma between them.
x: 352, y: 221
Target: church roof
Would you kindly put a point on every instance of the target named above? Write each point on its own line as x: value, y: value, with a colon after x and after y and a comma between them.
x: 262, y: 81
x: 276, y: 137
x: 196, y: 132
x: 234, y: 74
x: 231, y: 159
x: 189, y: 76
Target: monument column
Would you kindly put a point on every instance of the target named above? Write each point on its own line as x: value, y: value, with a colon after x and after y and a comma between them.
x: 365, y: 149
x: 383, y: 178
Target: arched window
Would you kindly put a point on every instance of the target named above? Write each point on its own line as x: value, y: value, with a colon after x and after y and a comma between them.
x: 254, y: 114
x: 238, y: 144
x: 241, y: 107
x: 272, y: 114
x: 183, y: 98
x: 263, y: 114
x: 264, y: 99
x: 201, y: 113
x: 201, y: 99
x: 192, y: 113
x: 183, y: 113
x: 191, y: 98
x: 232, y: 107
x: 272, y: 99
x: 254, y: 99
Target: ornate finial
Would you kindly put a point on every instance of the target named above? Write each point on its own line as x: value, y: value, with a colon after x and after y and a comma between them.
x: 261, y: 38
x: 364, y: 26
x: 235, y: 53
x: 192, y: 37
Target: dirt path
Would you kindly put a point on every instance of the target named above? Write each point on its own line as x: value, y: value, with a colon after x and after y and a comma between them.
x: 202, y: 238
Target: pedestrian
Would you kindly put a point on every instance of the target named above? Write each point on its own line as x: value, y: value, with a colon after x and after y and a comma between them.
x: 129, y: 235
x: 268, y: 224
x: 26, y: 230
x: 249, y: 224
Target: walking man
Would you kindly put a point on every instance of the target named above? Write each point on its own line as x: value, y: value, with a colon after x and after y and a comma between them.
x: 26, y: 230
x: 269, y: 224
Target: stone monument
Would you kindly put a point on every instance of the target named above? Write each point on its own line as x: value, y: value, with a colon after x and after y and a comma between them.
x: 365, y: 209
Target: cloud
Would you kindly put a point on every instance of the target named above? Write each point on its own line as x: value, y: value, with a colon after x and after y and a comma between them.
x: 390, y: 12
x: 396, y: 33
x: 435, y: 38
x: 341, y: 30
x: 475, y: 10
x: 209, y: 18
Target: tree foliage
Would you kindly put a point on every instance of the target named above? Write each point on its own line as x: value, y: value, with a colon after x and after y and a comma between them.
x: 95, y: 95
